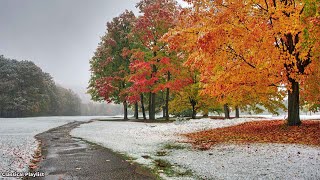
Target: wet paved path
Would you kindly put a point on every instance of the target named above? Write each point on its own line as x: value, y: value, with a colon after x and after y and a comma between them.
x: 66, y: 157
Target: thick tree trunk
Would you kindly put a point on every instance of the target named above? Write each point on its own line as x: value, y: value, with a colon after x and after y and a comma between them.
x: 194, y: 112
x: 167, y: 105
x: 237, y: 112
x: 152, y: 98
x: 136, y: 111
x: 193, y: 104
x: 152, y: 108
x: 125, y: 110
x: 226, y: 111
x: 142, y: 107
x: 293, y: 104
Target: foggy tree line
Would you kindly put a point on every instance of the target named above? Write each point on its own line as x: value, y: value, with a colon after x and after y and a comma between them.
x: 25, y: 90
x: 101, y: 109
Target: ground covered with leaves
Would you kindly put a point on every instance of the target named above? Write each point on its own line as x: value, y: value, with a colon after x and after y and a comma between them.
x: 259, y: 132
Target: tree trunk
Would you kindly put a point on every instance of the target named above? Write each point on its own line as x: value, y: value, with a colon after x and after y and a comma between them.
x: 293, y: 104
x: 142, y: 107
x: 125, y: 110
x: 237, y: 112
x: 167, y: 104
x: 152, y: 97
x: 167, y: 98
x: 193, y: 104
x: 194, y: 113
x: 163, y: 111
x: 150, y: 104
x: 136, y: 111
x: 226, y: 111
x: 152, y: 108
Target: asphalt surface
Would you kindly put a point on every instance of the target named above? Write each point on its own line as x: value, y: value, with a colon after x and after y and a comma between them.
x: 65, y: 157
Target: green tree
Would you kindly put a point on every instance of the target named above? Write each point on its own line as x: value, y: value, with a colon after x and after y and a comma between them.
x: 110, y: 65
x: 28, y: 91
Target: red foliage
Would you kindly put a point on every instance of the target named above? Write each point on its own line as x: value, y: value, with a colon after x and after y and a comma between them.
x: 259, y: 132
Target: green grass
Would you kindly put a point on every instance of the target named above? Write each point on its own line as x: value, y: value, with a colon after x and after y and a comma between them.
x: 161, y: 153
x: 173, y: 146
x: 170, y: 170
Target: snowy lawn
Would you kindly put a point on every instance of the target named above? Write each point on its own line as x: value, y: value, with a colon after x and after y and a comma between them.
x: 17, y: 142
x: 139, y: 139
x: 146, y: 142
x: 252, y: 161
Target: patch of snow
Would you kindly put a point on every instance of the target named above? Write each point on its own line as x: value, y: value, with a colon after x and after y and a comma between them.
x: 138, y: 139
x: 17, y: 142
x: 253, y: 161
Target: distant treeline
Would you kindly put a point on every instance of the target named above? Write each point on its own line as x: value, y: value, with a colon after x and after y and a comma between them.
x: 101, y: 109
x: 25, y: 90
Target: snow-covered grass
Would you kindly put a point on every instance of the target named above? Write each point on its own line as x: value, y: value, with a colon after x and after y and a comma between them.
x: 255, y: 161
x: 17, y: 142
x: 138, y: 139
x: 252, y: 161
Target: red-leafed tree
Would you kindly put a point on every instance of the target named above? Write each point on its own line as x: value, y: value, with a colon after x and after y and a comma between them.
x: 158, y: 16
x: 140, y: 79
x: 109, y: 67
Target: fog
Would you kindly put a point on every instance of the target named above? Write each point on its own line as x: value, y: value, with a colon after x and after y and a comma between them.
x: 60, y: 36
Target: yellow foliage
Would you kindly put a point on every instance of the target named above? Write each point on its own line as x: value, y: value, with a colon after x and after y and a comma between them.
x: 245, y: 50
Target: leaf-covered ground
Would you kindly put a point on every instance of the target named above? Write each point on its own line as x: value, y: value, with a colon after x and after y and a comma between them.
x: 259, y: 132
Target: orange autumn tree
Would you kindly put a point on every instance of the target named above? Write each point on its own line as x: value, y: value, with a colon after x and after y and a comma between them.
x: 237, y: 88
x: 264, y: 44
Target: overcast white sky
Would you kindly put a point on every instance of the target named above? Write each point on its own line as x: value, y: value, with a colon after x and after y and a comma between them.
x: 60, y: 36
